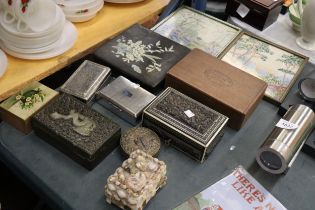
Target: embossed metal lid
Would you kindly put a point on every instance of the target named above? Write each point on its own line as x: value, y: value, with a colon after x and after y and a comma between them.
x: 127, y: 95
x: 142, y: 55
x: 76, y: 125
x: 86, y: 80
x: 140, y: 138
x: 188, y: 117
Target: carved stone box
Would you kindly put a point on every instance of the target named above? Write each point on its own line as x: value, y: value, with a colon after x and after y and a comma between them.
x: 19, y: 108
x: 78, y: 131
x: 185, y: 123
x: 126, y: 99
x: 141, y: 55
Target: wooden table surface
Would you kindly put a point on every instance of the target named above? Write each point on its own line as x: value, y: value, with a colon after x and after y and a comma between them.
x: 112, y: 19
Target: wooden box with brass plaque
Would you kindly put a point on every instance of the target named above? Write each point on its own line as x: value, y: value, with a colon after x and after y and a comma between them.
x: 218, y: 85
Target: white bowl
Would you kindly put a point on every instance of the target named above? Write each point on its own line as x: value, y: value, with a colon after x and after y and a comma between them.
x: 91, y: 9
x: 74, y: 4
x: 85, y: 16
x: 81, y: 18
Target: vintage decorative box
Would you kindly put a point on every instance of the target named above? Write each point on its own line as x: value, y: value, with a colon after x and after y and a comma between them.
x: 140, y: 138
x: 257, y: 13
x: 19, y: 108
x: 133, y: 185
x: 187, y: 124
x: 77, y: 130
x: 218, y: 85
x: 126, y: 99
x: 86, y: 80
x: 142, y: 55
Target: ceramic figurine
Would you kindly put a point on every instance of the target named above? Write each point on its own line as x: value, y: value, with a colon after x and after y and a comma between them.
x: 136, y: 182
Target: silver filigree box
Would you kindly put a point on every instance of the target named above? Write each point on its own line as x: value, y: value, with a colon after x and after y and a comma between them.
x: 86, y: 80
x: 188, y: 125
x: 126, y: 99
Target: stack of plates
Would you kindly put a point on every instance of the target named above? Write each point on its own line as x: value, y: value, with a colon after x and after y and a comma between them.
x: 3, y: 63
x: 80, y: 10
x: 26, y: 33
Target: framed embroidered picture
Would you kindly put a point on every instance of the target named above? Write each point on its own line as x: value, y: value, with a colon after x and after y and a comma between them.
x: 277, y: 66
x: 141, y: 55
x: 194, y: 29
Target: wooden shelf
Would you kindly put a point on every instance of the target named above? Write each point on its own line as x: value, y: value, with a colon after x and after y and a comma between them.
x: 112, y: 19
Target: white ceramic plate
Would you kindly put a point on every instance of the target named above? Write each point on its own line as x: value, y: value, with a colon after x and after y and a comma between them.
x: 123, y: 1
x: 3, y: 63
x: 67, y: 40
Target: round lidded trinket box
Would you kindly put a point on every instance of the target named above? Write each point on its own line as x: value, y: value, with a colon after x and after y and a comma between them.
x: 140, y: 138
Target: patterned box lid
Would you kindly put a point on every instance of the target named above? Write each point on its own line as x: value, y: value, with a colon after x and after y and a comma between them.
x: 192, y: 119
x: 86, y: 80
x: 142, y: 55
x: 72, y: 122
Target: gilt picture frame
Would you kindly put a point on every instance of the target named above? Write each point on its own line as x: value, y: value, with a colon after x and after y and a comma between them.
x: 195, y: 29
x: 278, y: 66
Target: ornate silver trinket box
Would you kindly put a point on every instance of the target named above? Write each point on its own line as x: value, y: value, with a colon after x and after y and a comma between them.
x: 186, y: 124
x: 86, y: 80
x: 140, y: 138
x: 126, y: 99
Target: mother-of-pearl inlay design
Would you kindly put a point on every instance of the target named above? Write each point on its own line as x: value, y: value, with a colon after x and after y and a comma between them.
x: 137, y: 52
x: 81, y: 124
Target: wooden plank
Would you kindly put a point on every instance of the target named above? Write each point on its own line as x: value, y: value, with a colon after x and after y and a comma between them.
x: 112, y: 19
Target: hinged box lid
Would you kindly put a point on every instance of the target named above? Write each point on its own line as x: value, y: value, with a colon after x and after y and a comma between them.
x: 86, y: 80
x: 127, y: 96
